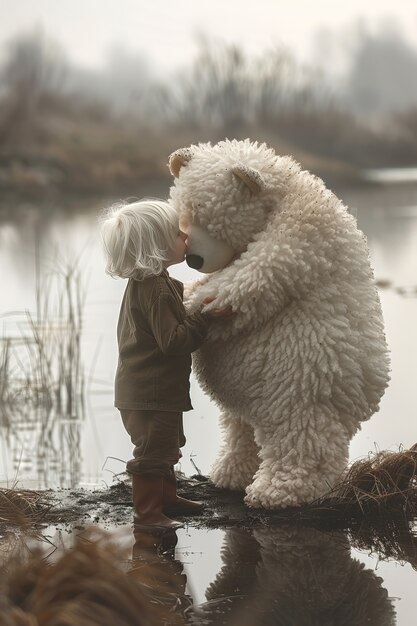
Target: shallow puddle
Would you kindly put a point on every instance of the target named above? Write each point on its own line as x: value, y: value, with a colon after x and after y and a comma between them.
x: 283, y: 576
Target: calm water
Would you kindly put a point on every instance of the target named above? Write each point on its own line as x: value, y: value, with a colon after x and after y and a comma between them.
x: 91, y: 450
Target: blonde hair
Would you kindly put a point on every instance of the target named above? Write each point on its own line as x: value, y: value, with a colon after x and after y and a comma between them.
x: 138, y: 237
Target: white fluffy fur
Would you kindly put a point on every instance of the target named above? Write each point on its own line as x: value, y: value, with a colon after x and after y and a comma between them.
x: 304, y: 361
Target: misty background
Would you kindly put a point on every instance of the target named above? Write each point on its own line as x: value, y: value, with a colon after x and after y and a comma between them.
x: 69, y: 129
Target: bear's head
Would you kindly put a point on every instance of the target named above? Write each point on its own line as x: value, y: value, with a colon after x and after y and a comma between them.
x: 224, y: 195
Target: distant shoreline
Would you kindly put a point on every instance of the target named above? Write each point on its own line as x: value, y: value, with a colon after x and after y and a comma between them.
x: 17, y: 200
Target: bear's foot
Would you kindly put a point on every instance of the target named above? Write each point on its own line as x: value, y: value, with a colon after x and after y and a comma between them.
x: 285, y: 490
x: 229, y: 472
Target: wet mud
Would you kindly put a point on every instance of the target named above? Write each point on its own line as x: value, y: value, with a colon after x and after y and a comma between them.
x: 112, y: 506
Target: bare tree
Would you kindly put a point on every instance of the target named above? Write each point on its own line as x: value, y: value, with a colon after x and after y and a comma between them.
x: 216, y: 92
x: 383, y: 74
x: 34, y: 72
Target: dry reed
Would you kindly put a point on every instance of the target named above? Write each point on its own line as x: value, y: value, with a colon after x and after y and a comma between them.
x: 383, y: 484
x: 23, y: 507
x: 42, y: 375
x: 87, y: 586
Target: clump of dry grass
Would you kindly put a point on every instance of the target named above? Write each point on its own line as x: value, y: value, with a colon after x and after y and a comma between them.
x: 23, y: 507
x: 86, y: 585
x: 383, y: 484
x: 378, y: 496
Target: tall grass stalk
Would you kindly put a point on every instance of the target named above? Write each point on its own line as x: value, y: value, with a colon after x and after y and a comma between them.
x: 42, y: 389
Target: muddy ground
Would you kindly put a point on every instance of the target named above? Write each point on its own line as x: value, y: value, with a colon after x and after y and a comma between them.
x: 113, y: 506
x: 224, y: 508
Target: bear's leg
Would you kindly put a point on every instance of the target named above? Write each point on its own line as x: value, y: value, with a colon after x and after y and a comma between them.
x: 238, y: 458
x: 240, y: 556
x: 300, y: 465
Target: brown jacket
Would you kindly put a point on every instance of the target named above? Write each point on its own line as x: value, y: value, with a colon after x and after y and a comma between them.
x: 156, y: 338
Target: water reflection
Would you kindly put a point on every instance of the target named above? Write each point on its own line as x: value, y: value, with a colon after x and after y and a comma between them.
x: 42, y: 386
x: 156, y: 569
x: 390, y: 537
x: 48, y: 451
x: 293, y: 576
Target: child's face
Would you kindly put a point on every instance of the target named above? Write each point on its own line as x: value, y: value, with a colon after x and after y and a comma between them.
x: 178, y: 253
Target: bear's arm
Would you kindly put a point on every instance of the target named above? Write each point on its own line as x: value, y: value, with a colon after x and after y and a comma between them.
x: 282, y: 265
x: 190, y: 289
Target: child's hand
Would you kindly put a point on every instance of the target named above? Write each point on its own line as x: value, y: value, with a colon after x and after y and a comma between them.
x: 225, y: 311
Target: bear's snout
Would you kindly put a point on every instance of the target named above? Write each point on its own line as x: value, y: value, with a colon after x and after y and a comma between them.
x: 195, y: 261
x: 205, y: 253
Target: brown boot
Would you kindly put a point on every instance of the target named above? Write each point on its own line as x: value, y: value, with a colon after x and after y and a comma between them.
x: 147, y: 494
x: 173, y: 502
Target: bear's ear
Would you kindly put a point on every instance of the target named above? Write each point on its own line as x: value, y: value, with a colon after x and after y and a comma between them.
x: 251, y: 177
x: 177, y: 159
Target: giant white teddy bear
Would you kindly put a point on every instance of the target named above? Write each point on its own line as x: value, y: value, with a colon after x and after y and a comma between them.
x: 304, y: 359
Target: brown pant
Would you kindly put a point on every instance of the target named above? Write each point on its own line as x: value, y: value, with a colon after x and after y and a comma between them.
x: 157, y: 437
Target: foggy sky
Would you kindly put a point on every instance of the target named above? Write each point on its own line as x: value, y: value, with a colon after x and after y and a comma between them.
x: 165, y: 32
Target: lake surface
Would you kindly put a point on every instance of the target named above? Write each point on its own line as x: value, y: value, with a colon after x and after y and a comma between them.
x: 92, y: 446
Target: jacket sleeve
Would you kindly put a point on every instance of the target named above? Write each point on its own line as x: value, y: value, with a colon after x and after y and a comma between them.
x: 176, y: 336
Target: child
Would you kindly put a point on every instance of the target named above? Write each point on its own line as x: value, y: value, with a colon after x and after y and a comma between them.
x: 156, y: 338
